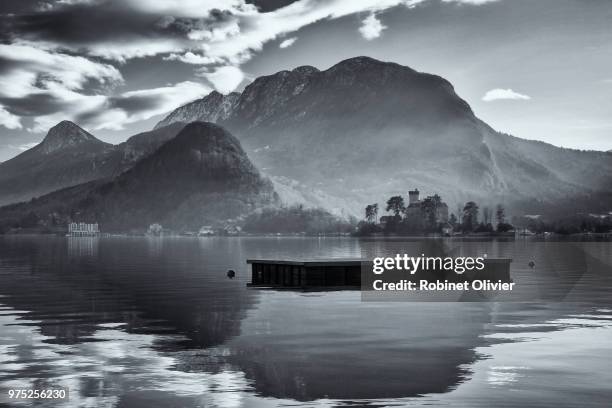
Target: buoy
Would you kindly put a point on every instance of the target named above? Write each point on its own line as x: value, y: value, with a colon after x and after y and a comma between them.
x: 231, y: 274
x: 531, y: 264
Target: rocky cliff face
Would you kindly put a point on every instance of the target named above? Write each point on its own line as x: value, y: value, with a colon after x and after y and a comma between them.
x: 214, y: 107
x: 365, y: 129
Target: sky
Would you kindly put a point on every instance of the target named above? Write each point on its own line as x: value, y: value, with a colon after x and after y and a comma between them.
x: 536, y: 69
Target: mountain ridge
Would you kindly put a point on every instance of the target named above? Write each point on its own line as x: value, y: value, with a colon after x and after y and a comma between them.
x: 69, y: 155
x: 65, y: 135
x: 200, y: 177
x: 340, y: 138
x: 411, y: 128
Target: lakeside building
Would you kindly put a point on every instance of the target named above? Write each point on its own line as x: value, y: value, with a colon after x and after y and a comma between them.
x: 414, y: 208
x: 206, y: 230
x: 155, y: 230
x: 82, y: 229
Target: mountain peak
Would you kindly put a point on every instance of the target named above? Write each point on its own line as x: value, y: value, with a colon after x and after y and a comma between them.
x: 205, y: 136
x: 368, y: 66
x: 66, y: 134
x: 306, y: 70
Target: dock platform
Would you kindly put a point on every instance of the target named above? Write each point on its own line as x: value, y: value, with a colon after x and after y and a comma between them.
x: 306, y: 273
x: 347, y: 273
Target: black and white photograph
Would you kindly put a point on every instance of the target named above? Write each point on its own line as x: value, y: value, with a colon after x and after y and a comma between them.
x: 306, y: 203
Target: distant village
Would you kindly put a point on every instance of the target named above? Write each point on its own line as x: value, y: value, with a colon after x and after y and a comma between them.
x: 83, y: 229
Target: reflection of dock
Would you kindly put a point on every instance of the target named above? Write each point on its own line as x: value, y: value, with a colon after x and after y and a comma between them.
x: 306, y: 273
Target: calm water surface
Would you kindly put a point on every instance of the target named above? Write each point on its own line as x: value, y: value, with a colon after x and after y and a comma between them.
x: 137, y: 322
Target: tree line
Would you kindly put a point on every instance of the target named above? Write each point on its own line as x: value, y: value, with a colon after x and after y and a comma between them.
x: 430, y: 215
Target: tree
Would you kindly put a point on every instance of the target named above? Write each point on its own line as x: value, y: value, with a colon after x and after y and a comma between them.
x: 429, y: 208
x: 500, y: 217
x: 500, y: 214
x: 396, y: 205
x: 31, y: 220
x: 486, y: 215
x: 452, y: 220
x: 371, y: 213
x: 470, y: 216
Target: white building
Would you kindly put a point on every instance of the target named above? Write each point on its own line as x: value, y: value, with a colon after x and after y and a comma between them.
x: 82, y: 229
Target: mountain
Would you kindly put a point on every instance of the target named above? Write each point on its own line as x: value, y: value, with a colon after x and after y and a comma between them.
x: 200, y: 177
x: 69, y: 155
x: 364, y: 129
x: 212, y: 108
x: 145, y: 143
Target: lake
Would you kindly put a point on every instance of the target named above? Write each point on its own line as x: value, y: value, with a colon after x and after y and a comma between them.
x: 155, y: 322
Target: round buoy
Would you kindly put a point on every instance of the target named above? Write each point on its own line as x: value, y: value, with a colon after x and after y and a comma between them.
x: 231, y: 274
x: 531, y: 264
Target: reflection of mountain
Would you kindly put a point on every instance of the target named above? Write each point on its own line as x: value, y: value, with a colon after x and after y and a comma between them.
x: 200, y: 177
x: 335, y: 347
x: 70, y: 292
x: 366, y: 128
x: 175, y: 293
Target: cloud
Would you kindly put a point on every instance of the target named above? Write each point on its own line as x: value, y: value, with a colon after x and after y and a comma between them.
x: 288, y: 42
x: 225, y: 79
x: 8, y: 120
x: 134, y: 106
x: 34, y: 68
x: 472, y: 2
x: 26, y: 146
x: 190, y: 8
x: 504, y: 94
x: 38, y: 82
x: 191, y: 58
x: 371, y: 27
x: 134, y: 49
x: 62, y: 59
x: 223, y: 32
x: 114, y: 112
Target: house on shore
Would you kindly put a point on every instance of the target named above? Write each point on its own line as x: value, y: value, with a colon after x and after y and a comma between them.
x: 83, y: 229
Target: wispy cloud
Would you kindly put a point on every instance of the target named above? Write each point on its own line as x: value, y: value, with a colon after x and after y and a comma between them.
x: 371, y: 27
x: 504, y: 94
x: 40, y: 81
x: 26, y: 146
x: 114, y: 112
x: 288, y: 42
x: 225, y: 79
x: 472, y: 2
x: 8, y: 120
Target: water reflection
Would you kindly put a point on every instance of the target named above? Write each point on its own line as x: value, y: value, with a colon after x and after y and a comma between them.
x: 80, y: 247
x: 156, y: 322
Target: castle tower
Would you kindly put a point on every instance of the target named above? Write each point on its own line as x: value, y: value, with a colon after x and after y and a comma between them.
x: 413, y: 196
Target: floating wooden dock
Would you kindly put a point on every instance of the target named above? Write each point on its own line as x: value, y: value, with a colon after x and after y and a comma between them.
x: 306, y: 273
x: 347, y: 273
